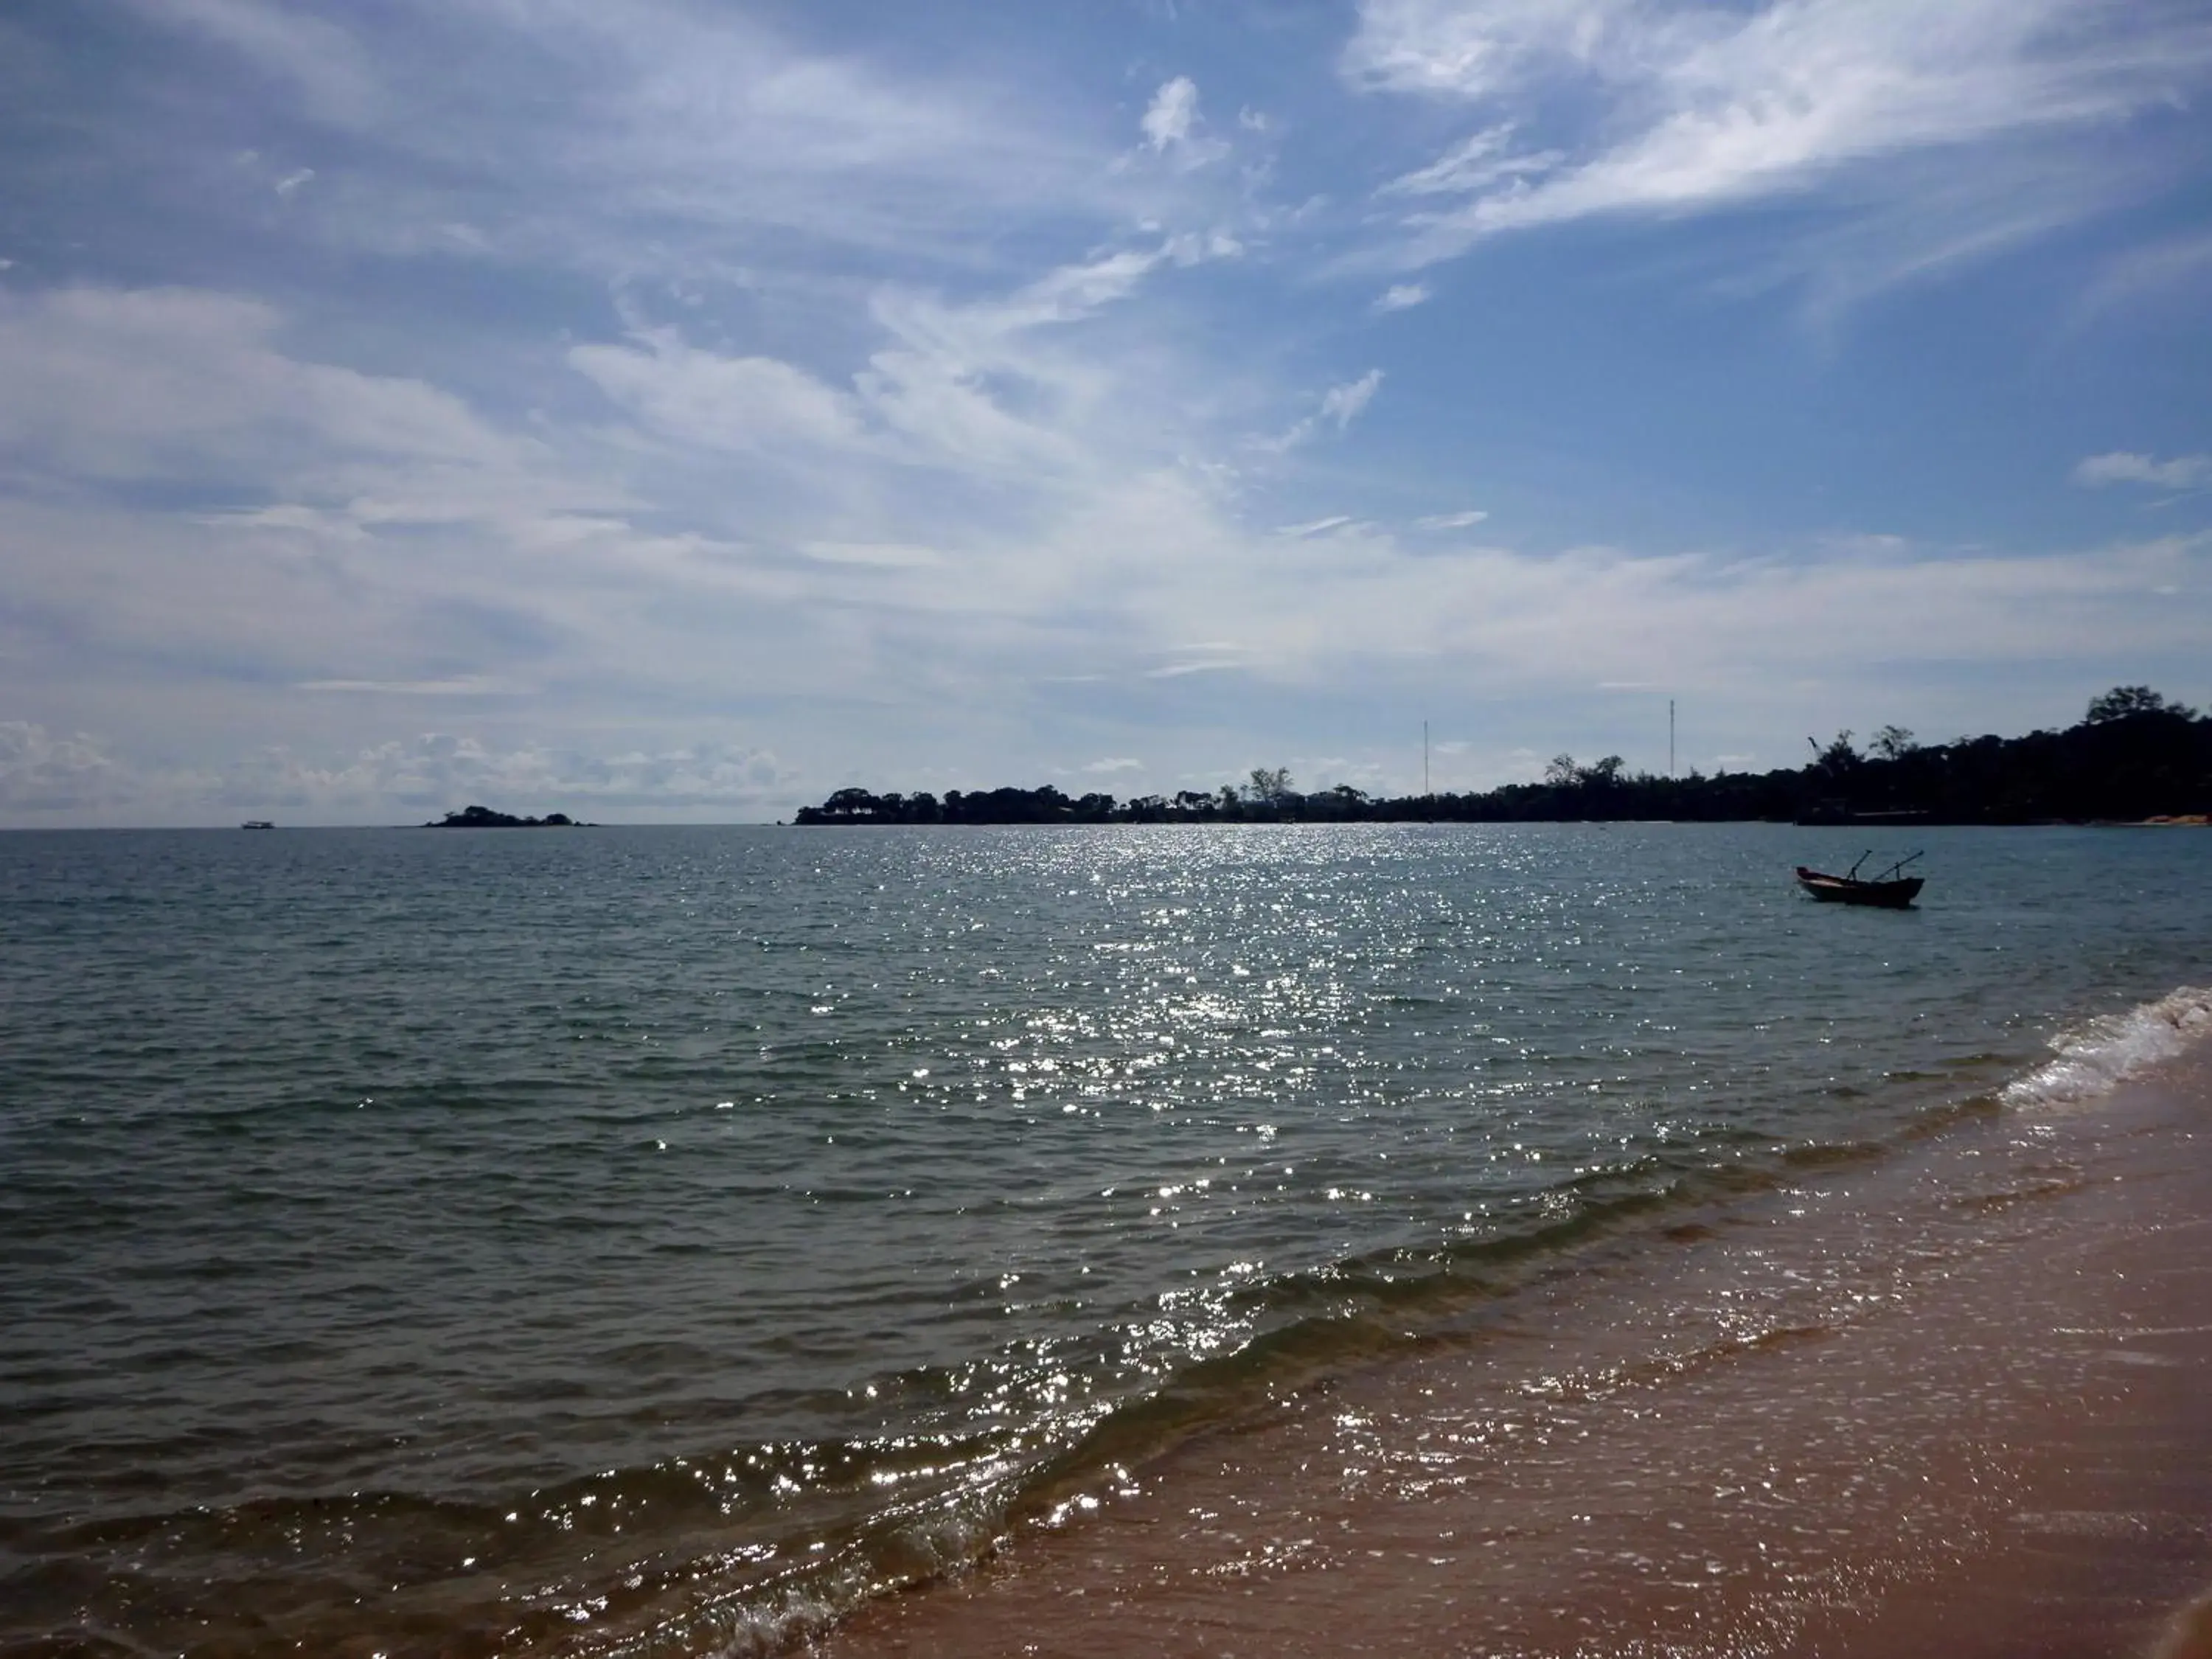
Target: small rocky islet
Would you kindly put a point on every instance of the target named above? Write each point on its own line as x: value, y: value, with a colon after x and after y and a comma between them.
x: 484, y: 817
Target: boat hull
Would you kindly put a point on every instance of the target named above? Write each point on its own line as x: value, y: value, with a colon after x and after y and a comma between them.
x: 1841, y: 890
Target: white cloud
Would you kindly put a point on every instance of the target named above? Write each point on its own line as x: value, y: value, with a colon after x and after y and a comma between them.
x: 147, y: 385
x: 1345, y: 403
x: 2182, y: 472
x: 990, y: 388
x: 1340, y: 405
x: 1711, y: 106
x: 1451, y: 520
x: 438, y: 770
x: 718, y: 403
x: 982, y: 498
x: 459, y: 685
x: 41, y: 772
x: 78, y: 779
x: 1115, y: 764
x: 1402, y: 297
x: 2178, y: 266
x: 1173, y: 112
x: 1461, y: 50
x: 324, y: 62
x: 1317, y: 527
x: 877, y: 555
x: 1173, y: 129
x: 1208, y: 666
x: 632, y: 135
x: 1482, y: 159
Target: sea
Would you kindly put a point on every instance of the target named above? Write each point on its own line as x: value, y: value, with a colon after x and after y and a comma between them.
x: 672, y: 1241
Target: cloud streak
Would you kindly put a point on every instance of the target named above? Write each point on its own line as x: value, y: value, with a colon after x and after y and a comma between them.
x: 1340, y: 405
x: 1711, y: 108
x: 42, y: 773
x: 2122, y: 467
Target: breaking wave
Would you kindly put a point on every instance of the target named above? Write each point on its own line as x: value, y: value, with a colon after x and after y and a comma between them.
x: 2095, y: 1057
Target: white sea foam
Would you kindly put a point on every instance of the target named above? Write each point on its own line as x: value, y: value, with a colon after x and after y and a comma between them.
x: 2095, y: 1057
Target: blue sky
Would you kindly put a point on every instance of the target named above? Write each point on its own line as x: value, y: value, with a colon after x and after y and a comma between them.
x: 677, y: 410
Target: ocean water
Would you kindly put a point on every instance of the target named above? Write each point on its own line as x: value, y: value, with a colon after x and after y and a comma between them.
x: 660, y: 1241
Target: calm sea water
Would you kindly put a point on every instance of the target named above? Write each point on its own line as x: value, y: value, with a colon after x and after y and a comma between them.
x: 651, y: 1241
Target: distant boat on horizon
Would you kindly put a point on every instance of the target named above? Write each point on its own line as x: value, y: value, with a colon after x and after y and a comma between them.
x: 257, y: 824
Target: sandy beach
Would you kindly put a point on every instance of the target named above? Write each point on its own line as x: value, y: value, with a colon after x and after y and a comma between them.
x: 1948, y: 1402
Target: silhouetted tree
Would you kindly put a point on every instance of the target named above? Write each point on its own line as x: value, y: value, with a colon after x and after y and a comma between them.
x: 2123, y: 700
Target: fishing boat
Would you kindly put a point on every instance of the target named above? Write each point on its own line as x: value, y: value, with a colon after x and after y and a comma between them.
x: 257, y: 824
x: 1889, y: 890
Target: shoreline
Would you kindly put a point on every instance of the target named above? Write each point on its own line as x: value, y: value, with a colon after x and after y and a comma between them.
x: 1949, y: 1403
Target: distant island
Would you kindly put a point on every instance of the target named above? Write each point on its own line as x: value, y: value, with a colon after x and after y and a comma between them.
x: 482, y: 818
x: 2135, y: 757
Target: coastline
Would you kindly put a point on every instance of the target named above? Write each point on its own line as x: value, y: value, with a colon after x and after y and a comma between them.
x: 1948, y: 1403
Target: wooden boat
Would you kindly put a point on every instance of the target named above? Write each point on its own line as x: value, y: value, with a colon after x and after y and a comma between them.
x: 1889, y: 890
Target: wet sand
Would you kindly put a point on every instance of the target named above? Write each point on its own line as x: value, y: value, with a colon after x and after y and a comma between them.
x: 1956, y: 1402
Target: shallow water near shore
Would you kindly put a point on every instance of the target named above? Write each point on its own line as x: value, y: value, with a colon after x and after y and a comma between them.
x: 1949, y: 1403
x: 666, y: 1241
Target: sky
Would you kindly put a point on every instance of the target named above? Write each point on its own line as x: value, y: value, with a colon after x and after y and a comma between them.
x: 677, y: 409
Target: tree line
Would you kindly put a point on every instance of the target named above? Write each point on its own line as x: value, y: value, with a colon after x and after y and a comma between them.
x: 2134, y: 755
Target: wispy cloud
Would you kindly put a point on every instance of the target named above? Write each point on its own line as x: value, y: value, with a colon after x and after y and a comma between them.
x: 1485, y: 159
x: 1711, y: 107
x: 516, y: 138
x: 2175, y: 267
x: 1345, y: 403
x: 1172, y: 125
x: 1340, y: 405
x: 1171, y: 114
x: 986, y: 389
x: 1462, y: 51
x: 2119, y: 466
x: 172, y: 384
x: 1464, y: 521
x: 716, y: 402
x: 1402, y: 297
x: 459, y: 685
x: 876, y: 556
x: 42, y: 773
